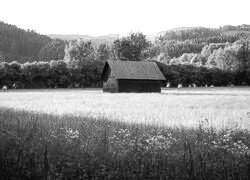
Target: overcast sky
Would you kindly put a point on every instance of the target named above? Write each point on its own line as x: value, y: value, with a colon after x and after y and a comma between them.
x: 101, y: 17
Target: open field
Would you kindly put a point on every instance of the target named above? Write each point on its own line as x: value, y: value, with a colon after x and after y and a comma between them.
x: 68, y: 137
x: 173, y: 107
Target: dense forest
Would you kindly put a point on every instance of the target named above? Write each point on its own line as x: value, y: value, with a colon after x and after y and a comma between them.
x: 204, y: 56
x: 26, y: 45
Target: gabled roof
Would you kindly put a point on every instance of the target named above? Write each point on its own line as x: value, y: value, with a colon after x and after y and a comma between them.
x: 140, y: 70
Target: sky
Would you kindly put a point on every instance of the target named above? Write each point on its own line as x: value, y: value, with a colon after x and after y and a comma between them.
x: 102, y: 17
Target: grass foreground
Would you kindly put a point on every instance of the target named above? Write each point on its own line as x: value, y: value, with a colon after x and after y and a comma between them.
x: 42, y: 146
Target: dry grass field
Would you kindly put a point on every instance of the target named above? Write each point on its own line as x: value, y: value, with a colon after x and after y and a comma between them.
x: 223, y: 107
x: 84, y: 134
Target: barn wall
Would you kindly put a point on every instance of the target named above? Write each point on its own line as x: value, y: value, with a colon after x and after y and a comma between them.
x: 125, y: 85
x: 110, y: 84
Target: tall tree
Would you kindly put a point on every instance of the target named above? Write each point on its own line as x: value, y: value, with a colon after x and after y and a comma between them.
x: 244, y: 57
x: 103, y: 52
x: 53, y: 50
x: 132, y: 47
x: 79, y: 50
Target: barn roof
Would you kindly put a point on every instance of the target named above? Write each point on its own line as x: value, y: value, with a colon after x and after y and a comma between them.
x: 134, y: 70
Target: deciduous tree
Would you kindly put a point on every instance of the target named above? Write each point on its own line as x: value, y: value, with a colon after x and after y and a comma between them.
x: 132, y: 47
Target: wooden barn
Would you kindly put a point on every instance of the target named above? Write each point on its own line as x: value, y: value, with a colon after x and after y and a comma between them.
x: 131, y: 76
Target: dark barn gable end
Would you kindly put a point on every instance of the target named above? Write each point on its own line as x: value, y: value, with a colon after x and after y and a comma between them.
x: 131, y: 76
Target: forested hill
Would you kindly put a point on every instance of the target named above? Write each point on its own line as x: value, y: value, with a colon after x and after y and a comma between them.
x: 225, y: 33
x: 168, y: 46
x: 26, y: 45
x: 107, y: 39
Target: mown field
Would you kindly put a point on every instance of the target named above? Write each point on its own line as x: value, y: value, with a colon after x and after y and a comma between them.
x: 173, y: 107
x: 181, y: 134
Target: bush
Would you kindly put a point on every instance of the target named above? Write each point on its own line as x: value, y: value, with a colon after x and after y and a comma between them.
x: 201, y: 76
x: 53, y: 74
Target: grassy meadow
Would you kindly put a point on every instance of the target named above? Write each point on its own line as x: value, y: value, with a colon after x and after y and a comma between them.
x: 173, y: 107
x: 180, y: 134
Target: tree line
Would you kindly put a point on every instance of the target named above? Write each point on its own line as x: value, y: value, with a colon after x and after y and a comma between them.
x: 53, y: 74
x: 202, y: 56
x: 61, y: 74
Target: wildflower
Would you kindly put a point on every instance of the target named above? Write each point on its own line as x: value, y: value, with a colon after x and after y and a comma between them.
x: 72, y: 134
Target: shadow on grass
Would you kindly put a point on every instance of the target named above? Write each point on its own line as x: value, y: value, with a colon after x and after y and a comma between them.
x: 43, y: 146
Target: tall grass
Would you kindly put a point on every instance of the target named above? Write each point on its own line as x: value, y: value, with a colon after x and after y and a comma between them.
x: 42, y: 146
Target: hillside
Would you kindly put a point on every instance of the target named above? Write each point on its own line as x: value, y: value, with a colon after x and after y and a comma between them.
x: 27, y: 45
x: 108, y: 39
x: 184, y: 33
x: 19, y: 44
x: 176, y: 30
